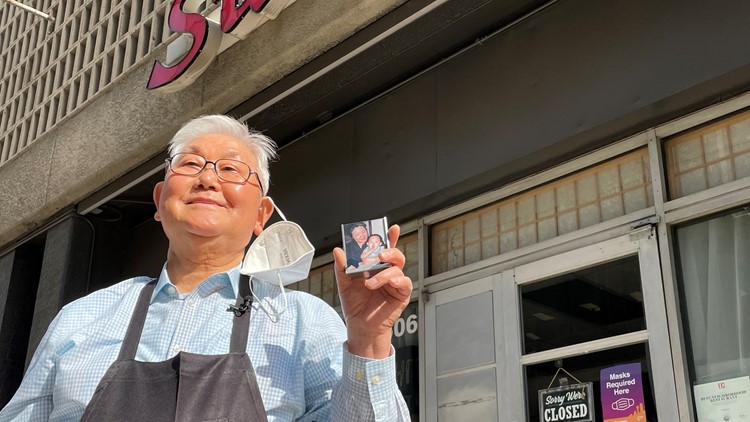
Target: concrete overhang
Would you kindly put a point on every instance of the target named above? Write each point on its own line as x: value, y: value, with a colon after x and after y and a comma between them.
x: 127, y: 125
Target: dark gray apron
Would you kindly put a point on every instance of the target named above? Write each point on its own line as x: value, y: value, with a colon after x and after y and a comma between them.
x: 188, y: 387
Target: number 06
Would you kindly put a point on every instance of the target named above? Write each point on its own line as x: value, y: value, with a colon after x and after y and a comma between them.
x: 409, y: 326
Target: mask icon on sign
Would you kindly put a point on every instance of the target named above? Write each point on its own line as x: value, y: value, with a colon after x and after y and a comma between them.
x: 623, y: 404
x: 281, y: 255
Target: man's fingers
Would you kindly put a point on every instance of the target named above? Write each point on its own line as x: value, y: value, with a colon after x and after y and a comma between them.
x: 339, y: 258
x: 391, y: 276
x: 393, y: 232
x: 393, y: 256
x: 399, y: 287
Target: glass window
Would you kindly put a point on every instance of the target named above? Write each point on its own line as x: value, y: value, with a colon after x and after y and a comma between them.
x: 405, y: 341
x: 601, y: 193
x: 710, y: 156
x: 588, y: 368
x: 589, y: 304
x: 714, y: 280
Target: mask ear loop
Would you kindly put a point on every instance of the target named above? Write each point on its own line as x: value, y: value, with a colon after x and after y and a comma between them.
x: 272, y: 313
x: 281, y: 214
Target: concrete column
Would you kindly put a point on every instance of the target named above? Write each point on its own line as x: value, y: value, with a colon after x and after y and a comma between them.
x: 65, y: 273
x: 19, y: 277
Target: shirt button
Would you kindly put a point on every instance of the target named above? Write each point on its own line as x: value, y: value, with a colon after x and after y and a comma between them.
x: 359, y: 376
x: 177, y: 349
x: 375, y: 380
x: 191, y: 302
x: 171, y: 290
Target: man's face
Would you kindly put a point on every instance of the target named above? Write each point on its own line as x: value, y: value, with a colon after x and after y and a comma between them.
x: 359, y: 234
x: 203, y: 206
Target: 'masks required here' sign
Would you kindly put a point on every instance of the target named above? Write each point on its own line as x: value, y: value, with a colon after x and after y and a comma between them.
x: 622, y: 393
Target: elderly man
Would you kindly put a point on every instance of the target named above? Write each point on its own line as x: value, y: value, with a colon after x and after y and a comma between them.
x: 167, y: 349
x: 354, y: 247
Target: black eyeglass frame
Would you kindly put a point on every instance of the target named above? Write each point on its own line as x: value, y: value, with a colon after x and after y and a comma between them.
x: 168, y: 163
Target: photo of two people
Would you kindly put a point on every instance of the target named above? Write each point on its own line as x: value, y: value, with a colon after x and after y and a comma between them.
x: 363, y: 241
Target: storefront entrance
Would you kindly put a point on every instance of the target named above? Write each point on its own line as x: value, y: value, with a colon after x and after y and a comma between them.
x: 593, y: 314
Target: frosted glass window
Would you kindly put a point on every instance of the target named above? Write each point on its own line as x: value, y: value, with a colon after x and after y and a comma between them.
x: 465, y: 333
x: 316, y: 285
x: 472, y: 253
x: 632, y: 175
x: 508, y: 217
x: 547, y: 229
x: 586, y: 189
x: 612, y: 207
x: 471, y: 231
x: 635, y: 200
x: 489, y: 247
x: 526, y: 210
x: 468, y: 397
x: 321, y: 283
x: 322, y: 280
x: 742, y: 165
x: 708, y: 157
x: 328, y: 280
x: 609, y: 182
x: 526, y: 236
x: 508, y: 241
x: 545, y: 203
x: 567, y: 222
x: 566, y: 197
x: 488, y: 222
x: 472, y: 249
x: 601, y: 193
x: 410, y: 247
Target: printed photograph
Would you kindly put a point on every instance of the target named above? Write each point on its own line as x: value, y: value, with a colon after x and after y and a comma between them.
x: 363, y: 241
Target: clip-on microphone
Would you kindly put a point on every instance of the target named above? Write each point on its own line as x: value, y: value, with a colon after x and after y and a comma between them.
x: 244, y: 286
x: 242, y: 308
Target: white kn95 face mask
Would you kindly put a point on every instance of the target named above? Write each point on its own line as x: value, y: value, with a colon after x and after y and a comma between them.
x: 280, y: 255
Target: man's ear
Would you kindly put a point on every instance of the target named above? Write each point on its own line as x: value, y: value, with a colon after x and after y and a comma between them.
x: 157, y: 195
x: 264, y: 213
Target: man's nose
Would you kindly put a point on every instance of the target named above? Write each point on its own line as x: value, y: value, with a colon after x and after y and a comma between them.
x: 209, y: 178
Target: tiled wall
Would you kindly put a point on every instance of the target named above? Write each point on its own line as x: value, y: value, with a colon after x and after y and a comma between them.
x: 51, y: 69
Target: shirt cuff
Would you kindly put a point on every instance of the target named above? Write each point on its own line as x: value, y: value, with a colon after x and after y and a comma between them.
x: 373, y: 378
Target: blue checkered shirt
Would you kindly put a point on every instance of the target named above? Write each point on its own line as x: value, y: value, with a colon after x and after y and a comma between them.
x: 303, y: 370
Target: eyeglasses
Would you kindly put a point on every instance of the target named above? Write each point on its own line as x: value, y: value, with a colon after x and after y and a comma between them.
x: 228, y: 170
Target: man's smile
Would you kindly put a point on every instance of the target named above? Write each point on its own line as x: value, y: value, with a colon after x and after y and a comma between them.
x: 204, y: 201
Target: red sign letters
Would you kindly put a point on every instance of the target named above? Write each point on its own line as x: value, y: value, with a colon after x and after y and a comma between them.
x: 206, y: 39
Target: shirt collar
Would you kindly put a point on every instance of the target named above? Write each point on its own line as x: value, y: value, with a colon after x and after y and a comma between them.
x: 227, y: 283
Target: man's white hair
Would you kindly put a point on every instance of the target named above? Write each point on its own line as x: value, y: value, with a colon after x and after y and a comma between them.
x: 263, y: 147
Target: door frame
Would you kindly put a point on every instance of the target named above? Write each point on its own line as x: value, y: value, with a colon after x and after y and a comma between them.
x: 643, y: 243
x: 506, y: 299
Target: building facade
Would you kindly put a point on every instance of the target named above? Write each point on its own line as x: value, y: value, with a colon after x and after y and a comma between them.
x: 570, y: 176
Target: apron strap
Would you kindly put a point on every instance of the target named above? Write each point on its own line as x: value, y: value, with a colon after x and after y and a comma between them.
x: 241, y: 324
x: 133, y: 335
